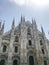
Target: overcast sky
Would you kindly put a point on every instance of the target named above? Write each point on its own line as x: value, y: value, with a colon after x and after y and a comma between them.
x: 38, y: 9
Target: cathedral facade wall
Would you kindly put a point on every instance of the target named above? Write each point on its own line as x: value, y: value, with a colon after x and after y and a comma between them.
x: 24, y: 45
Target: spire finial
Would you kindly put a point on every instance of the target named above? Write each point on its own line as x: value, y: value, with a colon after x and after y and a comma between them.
x: 35, y: 23
x: 3, y: 25
x: 13, y: 23
x: 22, y: 19
x: 43, y: 33
x: 2, y: 29
x: 32, y: 20
x: 42, y: 28
x: 0, y: 23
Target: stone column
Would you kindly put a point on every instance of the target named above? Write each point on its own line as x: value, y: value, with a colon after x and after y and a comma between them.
x: 23, y: 42
x: 10, y: 52
x: 37, y: 44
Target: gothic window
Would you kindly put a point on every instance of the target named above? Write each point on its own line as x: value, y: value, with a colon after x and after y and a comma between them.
x: 2, y: 62
x: 16, y: 49
x: 4, y: 48
x: 15, y: 62
x: 41, y: 42
x: 28, y: 31
x: 31, y: 60
x: 16, y: 39
x: 45, y: 62
x: 43, y: 51
x: 30, y: 43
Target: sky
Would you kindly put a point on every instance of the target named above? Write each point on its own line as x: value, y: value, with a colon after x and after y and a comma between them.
x: 36, y: 9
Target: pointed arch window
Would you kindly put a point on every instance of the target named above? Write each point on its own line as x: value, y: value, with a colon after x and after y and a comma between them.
x: 15, y: 62
x: 31, y: 60
x: 2, y: 62
x: 45, y: 62
x: 30, y: 43
x: 16, y: 39
x: 43, y: 51
x: 16, y: 49
x: 41, y: 42
x: 4, y: 48
x: 28, y: 31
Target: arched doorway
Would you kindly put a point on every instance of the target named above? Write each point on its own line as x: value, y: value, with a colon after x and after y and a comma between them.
x: 15, y: 62
x: 31, y: 60
x: 2, y: 62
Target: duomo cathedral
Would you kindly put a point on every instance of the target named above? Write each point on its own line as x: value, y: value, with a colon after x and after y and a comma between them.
x: 23, y: 44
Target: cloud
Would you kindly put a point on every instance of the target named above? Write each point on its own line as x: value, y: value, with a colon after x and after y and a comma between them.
x: 31, y: 2
x: 18, y: 2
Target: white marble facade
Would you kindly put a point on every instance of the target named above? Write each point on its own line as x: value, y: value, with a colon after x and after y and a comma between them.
x: 23, y: 45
